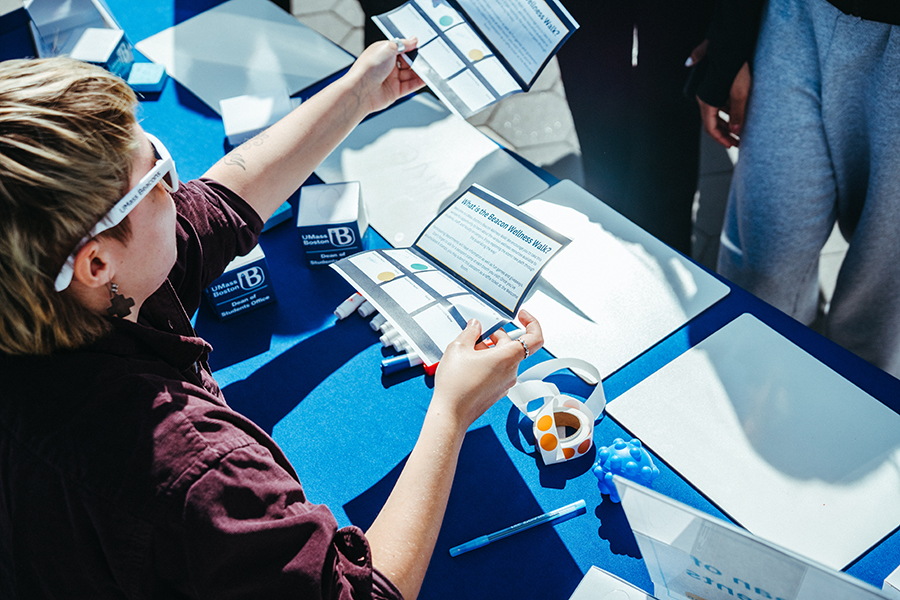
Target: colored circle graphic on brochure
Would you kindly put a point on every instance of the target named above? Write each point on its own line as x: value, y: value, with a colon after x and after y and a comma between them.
x: 446, y: 21
x: 418, y: 267
x: 476, y: 54
x: 386, y: 276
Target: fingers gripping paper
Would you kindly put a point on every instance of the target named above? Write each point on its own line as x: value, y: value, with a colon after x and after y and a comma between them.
x: 559, y: 411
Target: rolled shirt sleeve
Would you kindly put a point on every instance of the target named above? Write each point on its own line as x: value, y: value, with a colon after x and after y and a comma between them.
x: 214, y: 226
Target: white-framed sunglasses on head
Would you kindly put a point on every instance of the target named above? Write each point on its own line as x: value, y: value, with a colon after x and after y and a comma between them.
x: 162, y: 172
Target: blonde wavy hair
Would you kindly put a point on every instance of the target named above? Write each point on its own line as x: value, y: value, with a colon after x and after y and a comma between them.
x: 67, y: 142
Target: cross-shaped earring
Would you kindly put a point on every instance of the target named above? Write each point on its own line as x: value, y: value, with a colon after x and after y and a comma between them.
x: 120, y: 305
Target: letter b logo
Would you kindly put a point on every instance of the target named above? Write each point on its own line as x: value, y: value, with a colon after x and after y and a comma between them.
x: 341, y: 236
x: 251, y: 278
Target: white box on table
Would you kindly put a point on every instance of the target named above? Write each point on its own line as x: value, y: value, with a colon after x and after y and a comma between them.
x: 331, y: 221
x: 107, y: 48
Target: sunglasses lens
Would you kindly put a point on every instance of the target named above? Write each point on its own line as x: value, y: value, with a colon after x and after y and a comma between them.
x: 170, y: 179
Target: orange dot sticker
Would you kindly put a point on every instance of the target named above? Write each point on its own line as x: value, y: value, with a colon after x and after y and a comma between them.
x: 584, y: 446
x: 568, y: 452
x: 548, y: 442
x: 545, y: 423
x: 386, y: 276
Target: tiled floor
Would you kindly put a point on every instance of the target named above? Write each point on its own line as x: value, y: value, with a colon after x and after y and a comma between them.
x: 539, y: 127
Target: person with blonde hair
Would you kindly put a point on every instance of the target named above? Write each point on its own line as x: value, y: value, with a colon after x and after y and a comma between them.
x: 123, y: 472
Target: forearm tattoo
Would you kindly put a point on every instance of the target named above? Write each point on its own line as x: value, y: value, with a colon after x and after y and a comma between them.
x: 235, y: 158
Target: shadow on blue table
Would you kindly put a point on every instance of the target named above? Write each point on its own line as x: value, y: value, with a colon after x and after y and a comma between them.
x: 187, y: 100
x: 488, y: 494
x: 186, y: 9
x: 272, y: 391
x: 614, y: 528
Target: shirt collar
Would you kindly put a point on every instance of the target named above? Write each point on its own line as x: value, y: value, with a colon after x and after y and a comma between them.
x: 163, y: 330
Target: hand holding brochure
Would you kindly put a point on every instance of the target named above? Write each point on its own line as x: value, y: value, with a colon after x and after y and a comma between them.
x: 477, y: 259
x: 472, y: 53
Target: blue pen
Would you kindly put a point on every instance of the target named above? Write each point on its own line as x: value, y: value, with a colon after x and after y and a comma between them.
x: 575, y: 507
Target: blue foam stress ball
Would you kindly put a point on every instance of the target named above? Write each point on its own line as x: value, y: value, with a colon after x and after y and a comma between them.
x: 628, y: 459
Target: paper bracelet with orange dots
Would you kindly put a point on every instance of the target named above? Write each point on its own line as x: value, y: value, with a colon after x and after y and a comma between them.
x: 559, y: 411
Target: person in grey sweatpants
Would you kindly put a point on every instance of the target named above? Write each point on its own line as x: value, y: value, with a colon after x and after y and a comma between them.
x: 821, y: 144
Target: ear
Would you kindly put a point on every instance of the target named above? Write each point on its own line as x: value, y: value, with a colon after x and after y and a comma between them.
x: 93, y: 265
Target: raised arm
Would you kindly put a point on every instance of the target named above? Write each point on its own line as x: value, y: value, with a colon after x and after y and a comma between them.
x: 267, y: 169
x: 467, y: 383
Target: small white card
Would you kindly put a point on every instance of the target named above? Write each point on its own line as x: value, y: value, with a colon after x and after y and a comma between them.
x: 57, y: 25
x: 598, y: 584
x: 891, y: 587
x: 246, y: 116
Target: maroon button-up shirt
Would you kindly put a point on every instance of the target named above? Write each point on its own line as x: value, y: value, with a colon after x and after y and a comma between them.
x: 124, y: 474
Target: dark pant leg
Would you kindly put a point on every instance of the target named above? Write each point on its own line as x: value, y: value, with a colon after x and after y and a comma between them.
x: 639, y: 134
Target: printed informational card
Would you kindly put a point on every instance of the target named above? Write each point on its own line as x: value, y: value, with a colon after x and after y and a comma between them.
x: 472, y: 53
x: 477, y: 259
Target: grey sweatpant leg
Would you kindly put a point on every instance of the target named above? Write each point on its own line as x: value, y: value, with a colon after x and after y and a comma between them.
x: 821, y: 143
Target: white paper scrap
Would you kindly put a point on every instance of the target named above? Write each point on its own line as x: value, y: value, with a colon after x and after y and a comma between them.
x: 780, y: 442
x: 615, y: 291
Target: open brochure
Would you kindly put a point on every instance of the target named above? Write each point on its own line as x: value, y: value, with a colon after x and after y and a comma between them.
x: 472, y: 53
x: 477, y: 259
